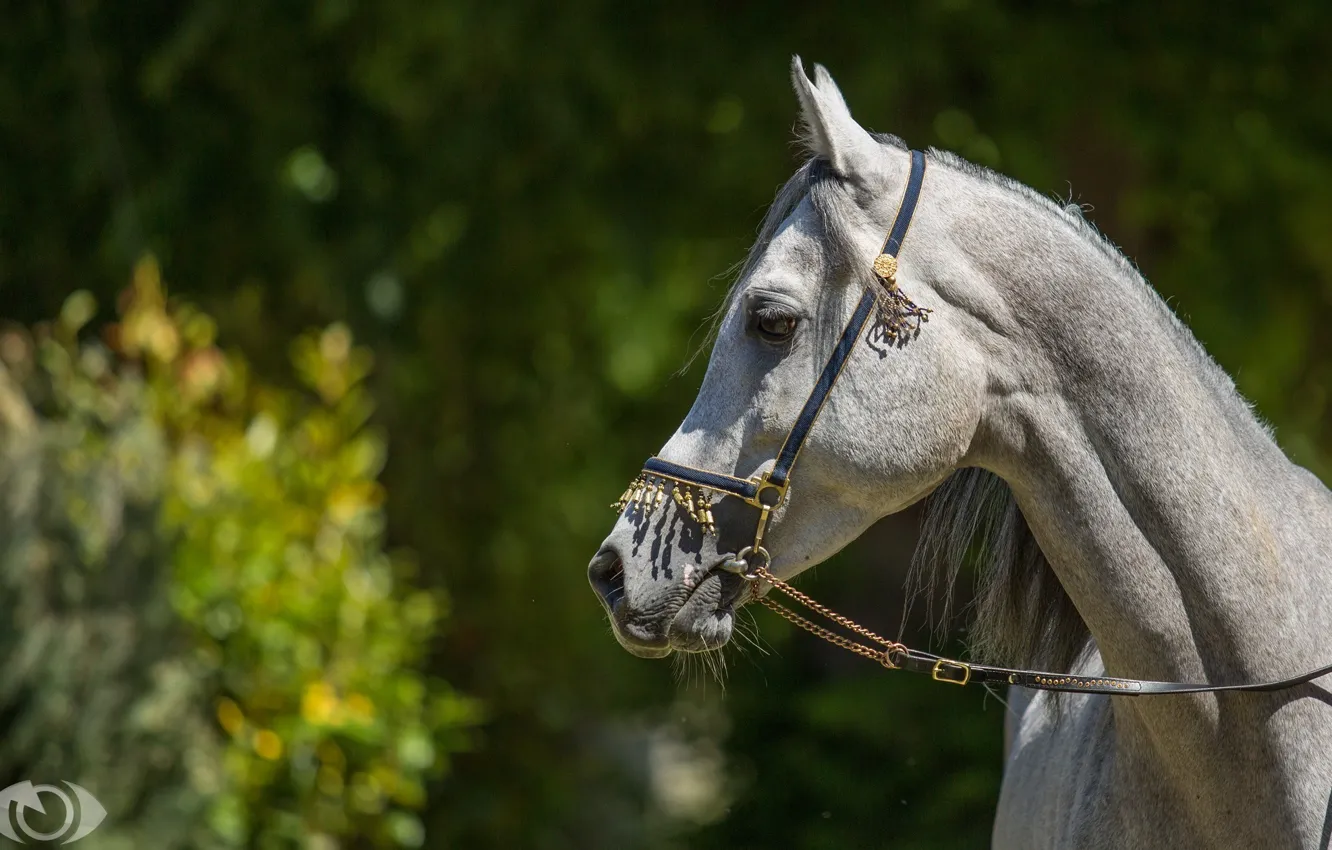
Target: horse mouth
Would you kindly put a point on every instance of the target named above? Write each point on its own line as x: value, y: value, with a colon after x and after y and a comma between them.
x: 706, y: 618
x: 701, y: 622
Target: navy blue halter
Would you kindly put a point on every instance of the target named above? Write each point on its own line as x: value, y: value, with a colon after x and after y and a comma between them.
x: 767, y: 491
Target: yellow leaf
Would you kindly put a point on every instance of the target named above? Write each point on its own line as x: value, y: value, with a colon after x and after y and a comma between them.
x: 230, y: 716
x: 319, y: 703
x: 267, y: 744
x: 361, y: 709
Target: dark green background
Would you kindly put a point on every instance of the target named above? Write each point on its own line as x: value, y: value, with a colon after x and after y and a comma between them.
x: 528, y: 211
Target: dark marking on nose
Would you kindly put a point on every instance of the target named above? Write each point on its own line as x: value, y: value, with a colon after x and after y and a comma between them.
x: 660, y: 557
x: 667, y: 545
x: 640, y: 533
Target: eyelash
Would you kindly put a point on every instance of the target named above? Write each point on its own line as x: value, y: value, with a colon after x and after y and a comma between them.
x: 777, y: 316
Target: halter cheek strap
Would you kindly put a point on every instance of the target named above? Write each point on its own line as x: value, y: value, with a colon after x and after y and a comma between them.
x: 786, y: 458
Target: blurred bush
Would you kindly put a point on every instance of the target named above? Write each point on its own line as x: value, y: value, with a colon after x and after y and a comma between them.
x: 201, y: 622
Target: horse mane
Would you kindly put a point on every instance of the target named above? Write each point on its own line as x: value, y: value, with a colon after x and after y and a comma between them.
x: 1023, y: 615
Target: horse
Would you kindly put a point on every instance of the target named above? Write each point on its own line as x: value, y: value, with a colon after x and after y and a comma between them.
x: 1135, y: 519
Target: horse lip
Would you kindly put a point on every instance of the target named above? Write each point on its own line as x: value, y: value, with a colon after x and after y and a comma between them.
x: 722, y: 600
x: 734, y: 598
x: 694, y: 643
x: 726, y: 603
x: 715, y: 569
x: 643, y: 647
x: 643, y: 650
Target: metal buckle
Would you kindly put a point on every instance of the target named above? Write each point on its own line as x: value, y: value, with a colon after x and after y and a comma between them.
x: 944, y: 669
x: 763, y: 483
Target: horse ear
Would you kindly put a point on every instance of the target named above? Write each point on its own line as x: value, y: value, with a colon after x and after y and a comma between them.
x: 829, y: 130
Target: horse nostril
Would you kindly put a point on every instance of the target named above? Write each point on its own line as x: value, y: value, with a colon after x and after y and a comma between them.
x: 606, y: 575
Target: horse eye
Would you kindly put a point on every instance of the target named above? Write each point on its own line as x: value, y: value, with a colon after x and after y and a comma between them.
x: 776, y: 327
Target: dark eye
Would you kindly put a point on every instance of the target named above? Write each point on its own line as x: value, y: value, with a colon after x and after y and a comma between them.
x: 774, y: 325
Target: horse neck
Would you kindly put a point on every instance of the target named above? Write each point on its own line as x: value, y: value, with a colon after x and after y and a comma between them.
x: 1191, y: 546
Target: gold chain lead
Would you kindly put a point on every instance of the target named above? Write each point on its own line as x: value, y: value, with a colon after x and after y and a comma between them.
x: 883, y: 656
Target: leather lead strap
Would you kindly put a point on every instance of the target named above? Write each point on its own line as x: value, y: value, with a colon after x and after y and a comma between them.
x: 947, y: 670
x: 897, y: 656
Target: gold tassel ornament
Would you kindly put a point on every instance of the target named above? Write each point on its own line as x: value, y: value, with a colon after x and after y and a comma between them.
x: 899, y: 316
x: 647, y: 493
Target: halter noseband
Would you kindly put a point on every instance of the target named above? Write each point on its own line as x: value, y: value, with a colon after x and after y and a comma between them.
x: 767, y: 492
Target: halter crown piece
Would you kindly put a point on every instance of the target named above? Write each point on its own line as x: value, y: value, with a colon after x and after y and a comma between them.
x: 695, y: 492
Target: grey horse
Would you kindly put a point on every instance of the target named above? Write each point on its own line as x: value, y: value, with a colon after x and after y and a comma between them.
x: 1138, y: 520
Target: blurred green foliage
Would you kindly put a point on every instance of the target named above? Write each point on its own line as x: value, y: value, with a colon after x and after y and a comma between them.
x: 527, y: 215
x: 255, y: 515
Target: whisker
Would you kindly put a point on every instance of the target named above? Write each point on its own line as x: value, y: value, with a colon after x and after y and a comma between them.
x: 748, y: 628
x: 680, y: 669
x: 744, y: 639
x: 717, y: 663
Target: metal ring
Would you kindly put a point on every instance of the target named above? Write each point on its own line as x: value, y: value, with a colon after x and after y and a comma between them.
x: 767, y: 558
x: 895, y: 657
x: 741, y: 564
